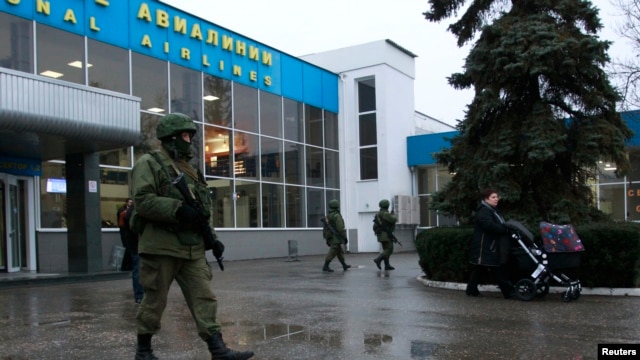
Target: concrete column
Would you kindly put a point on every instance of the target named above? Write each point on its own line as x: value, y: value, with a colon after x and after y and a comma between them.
x: 84, y: 221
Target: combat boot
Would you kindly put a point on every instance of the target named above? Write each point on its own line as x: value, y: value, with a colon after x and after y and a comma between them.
x: 220, y: 351
x: 143, y: 350
x: 377, y: 261
x: 326, y: 267
x: 345, y: 266
x: 387, y: 266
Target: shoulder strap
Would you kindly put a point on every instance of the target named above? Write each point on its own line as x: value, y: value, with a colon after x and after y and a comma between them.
x: 164, y: 163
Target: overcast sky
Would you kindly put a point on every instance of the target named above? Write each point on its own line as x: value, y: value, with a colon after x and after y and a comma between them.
x: 303, y: 27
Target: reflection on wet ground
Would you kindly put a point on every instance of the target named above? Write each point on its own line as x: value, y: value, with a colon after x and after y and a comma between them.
x: 293, y: 310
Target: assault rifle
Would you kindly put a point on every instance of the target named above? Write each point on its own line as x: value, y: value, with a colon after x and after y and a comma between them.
x: 333, y: 230
x: 210, y: 240
x: 385, y: 228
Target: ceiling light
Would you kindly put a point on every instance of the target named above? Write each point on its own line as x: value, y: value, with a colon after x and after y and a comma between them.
x: 78, y: 64
x: 52, y: 74
x: 610, y: 168
x: 210, y: 98
x: 155, y: 109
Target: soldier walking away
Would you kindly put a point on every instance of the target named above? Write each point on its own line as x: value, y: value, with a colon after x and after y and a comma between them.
x: 171, y: 245
x: 335, y: 234
x: 384, y: 223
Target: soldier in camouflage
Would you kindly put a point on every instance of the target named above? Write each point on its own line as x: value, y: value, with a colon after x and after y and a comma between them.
x: 387, y: 225
x: 170, y: 247
x: 335, y: 235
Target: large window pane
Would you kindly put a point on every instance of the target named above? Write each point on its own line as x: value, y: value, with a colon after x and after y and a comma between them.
x: 217, y: 160
x: 634, y: 160
x: 271, y: 163
x: 368, y: 163
x: 293, y: 128
x: 245, y: 147
x: 315, y: 207
x: 150, y: 82
x: 16, y: 43
x: 367, y: 95
x: 60, y: 54
x: 186, y: 92
x: 368, y: 131
x: 217, y: 101
x: 148, y: 140
x: 313, y: 125
x: 294, y: 163
x: 270, y: 114
x: 331, y: 130
x: 612, y: 201
x: 53, y: 196
x: 222, y: 198
x: 245, y: 108
x: 633, y: 201
x: 109, y: 66
x: 272, y: 205
x: 247, y: 204
x: 120, y: 157
x: 114, y: 190
x: 315, y: 166
x: 296, y: 203
x: 332, y: 165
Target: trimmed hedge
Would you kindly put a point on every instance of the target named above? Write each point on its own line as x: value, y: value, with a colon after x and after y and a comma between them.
x: 611, y: 257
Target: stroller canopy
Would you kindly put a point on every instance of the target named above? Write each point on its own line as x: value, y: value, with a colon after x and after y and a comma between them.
x: 560, y: 238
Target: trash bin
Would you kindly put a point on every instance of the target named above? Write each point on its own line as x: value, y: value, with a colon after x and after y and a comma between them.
x: 117, y: 254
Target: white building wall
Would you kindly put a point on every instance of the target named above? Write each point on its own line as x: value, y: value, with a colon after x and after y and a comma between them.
x: 394, y: 72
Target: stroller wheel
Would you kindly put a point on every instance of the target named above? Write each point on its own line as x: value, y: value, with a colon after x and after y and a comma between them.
x: 526, y: 289
x: 543, y: 289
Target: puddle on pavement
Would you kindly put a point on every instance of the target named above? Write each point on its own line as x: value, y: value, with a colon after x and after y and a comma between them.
x: 372, y: 343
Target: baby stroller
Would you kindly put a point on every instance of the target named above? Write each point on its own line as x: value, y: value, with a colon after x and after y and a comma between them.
x: 559, y: 255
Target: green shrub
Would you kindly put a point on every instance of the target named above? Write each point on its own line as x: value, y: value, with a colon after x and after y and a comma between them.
x: 611, y: 257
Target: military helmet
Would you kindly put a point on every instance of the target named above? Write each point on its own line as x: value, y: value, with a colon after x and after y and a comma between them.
x: 174, y: 124
x: 334, y: 204
x: 384, y: 203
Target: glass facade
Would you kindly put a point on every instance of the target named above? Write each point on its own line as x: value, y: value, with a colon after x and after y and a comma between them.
x: 270, y: 161
x: 618, y: 197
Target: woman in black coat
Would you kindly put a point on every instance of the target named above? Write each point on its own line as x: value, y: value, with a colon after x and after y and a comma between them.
x: 489, y: 245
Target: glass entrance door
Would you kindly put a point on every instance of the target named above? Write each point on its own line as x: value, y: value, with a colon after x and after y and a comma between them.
x: 14, y: 196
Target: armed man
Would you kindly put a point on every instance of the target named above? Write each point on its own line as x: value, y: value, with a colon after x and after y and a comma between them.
x: 171, y: 240
x: 335, y: 234
x: 384, y: 226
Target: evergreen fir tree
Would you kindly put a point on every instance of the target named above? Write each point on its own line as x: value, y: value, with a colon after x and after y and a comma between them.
x: 543, y: 114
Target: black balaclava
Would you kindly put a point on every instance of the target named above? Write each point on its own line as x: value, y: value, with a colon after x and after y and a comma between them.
x: 178, y: 148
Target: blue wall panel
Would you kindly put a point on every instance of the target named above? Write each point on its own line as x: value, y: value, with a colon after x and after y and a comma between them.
x: 312, y: 85
x: 292, y: 79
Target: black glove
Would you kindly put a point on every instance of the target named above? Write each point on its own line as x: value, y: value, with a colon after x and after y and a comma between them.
x: 187, y: 214
x: 218, y: 248
x: 346, y: 241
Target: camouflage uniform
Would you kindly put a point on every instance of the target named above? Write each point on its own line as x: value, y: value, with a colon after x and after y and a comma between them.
x: 387, y: 220
x: 169, y: 246
x: 334, y: 241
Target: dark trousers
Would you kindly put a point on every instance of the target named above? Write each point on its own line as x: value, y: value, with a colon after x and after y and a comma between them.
x: 477, y: 272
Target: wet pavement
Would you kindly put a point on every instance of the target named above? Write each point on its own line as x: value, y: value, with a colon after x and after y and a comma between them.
x: 284, y: 309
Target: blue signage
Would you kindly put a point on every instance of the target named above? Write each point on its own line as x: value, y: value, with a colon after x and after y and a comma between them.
x: 20, y: 167
x: 153, y: 28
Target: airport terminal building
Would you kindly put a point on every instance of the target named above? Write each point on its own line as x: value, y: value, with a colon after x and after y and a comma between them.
x: 84, y: 83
